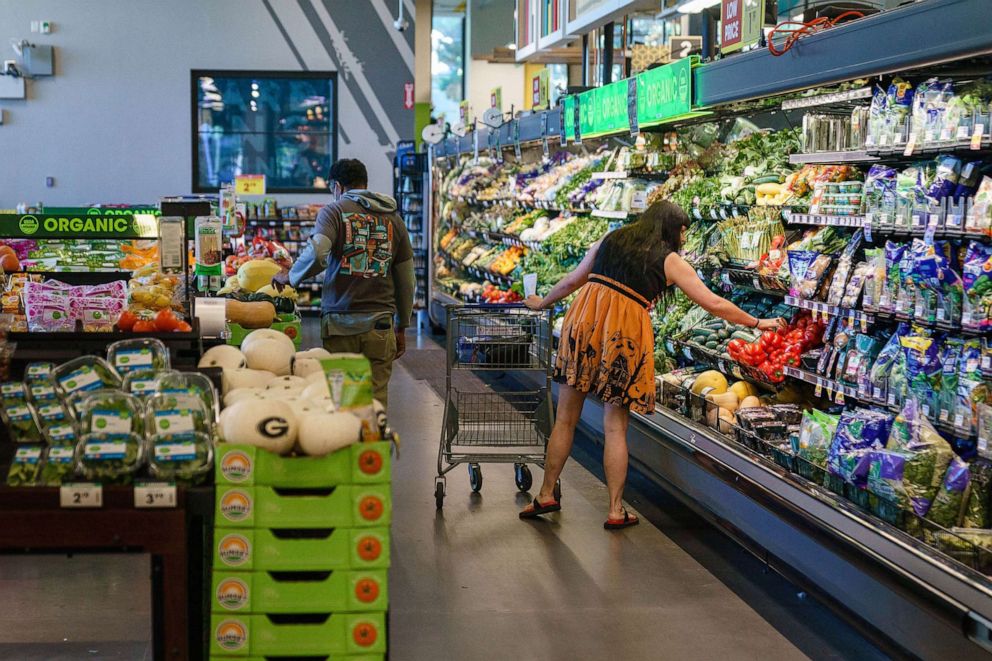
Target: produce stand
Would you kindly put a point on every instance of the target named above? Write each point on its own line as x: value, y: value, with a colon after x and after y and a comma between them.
x: 889, y: 570
x: 178, y: 539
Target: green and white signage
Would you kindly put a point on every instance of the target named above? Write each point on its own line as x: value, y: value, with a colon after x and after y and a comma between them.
x: 79, y: 226
x: 663, y: 94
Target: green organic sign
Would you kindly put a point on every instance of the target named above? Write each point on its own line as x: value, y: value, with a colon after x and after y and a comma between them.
x: 663, y: 94
x: 103, y: 211
x: 79, y: 226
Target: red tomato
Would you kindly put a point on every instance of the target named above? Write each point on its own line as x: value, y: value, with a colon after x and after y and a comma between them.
x: 144, y: 326
x: 166, y: 321
x: 183, y: 327
x: 127, y: 321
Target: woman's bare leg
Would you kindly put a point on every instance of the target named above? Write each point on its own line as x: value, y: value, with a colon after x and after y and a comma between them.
x: 570, y: 402
x: 615, y: 419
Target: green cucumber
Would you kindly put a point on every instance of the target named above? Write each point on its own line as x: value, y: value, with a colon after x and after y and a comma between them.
x: 767, y: 179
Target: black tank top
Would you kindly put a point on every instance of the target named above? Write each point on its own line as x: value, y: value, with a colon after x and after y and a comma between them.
x: 642, y: 270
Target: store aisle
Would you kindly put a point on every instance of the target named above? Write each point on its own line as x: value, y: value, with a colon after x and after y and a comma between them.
x: 475, y: 582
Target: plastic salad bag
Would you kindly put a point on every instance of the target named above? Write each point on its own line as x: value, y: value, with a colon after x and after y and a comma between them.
x: 947, y: 509
x: 858, y: 432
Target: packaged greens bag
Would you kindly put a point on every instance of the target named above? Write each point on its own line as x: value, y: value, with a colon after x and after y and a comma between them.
x: 972, y: 389
x: 947, y: 397
x: 923, y: 372
x: 26, y: 466
x: 60, y: 465
x: 976, y: 512
x: 815, y: 434
x: 977, y: 282
x: 947, y: 509
x: 910, y: 469
x: 858, y: 432
x: 970, y: 547
x: 893, y: 276
x: 878, y: 377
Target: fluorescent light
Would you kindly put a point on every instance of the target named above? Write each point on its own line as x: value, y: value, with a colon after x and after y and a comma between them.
x: 696, y: 6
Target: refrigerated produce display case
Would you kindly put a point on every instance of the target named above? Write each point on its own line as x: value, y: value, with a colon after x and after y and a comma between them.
x: 844, y: 188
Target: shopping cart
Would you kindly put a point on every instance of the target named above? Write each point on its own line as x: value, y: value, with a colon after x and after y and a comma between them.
x: 484, y: 423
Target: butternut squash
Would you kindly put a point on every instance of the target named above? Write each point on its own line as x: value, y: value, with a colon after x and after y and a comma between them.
x: 258, y: 314
x: 727, y: 400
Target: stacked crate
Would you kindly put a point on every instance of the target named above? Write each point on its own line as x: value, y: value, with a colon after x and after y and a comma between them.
x: 301, y: 553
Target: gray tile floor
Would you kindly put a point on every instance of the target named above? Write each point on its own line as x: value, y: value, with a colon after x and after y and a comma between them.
x: 473, y: 582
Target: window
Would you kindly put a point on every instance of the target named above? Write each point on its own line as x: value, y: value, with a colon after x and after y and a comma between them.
x: 278, y: 123
x: 447, y: 65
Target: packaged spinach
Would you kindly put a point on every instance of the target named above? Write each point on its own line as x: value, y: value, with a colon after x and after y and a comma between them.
x: 42, y: 391
x: 51, y: 413
x: 60, y: 465
x: 184, y: 457
x: 22, y: 423
x: 911, y: 467
x: 111, y: 446
x: 972, y: 389
x: 144, y: 383
x: 977, y: 282
x: 139, y: 354
x: 13, y: 392
x: 85, y: 374
x: 858, y: 432
x: 976, y: 512
x: 947, y: 397
x: 878, y: 377
x: 194, y: 383
x: 62, y: 433
x: 38, y: 371
x: 947, y: 509
x: 815, y: 434
x: 26, y: 466
x: 923, y: 371
x: 171, y: 413
x: 893, y: 276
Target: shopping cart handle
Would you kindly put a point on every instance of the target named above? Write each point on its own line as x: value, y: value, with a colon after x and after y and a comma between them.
x: 495, y: 306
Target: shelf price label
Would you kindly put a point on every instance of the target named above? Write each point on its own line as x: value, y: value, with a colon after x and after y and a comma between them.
x: 976, y: 137
x: 910, y: 145
x: 516, y: 139
x: 148, y: 495
x: 249, y: 184
x: 632, y: 106
x: 81, y: 495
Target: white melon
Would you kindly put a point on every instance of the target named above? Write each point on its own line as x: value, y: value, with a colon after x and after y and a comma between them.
x: 271, y: 355
x: 267, y: 334
x: 308, y: 362
x: 287, y: 382
x: 268, y: 424
x: 242, y: 377
x: 317, y: 390
x: 231, y: 398
x: 223, y: 355
x: 324, y: 433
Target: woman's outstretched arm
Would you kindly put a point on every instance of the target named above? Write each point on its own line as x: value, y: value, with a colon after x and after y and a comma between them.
x: 568, y: 284
x: 683, y: 276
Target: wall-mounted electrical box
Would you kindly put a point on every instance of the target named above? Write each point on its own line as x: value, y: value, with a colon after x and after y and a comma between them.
x: 12, y: 87
x: 39, y: 60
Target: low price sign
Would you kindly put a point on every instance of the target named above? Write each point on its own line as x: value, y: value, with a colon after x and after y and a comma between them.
x: 741, y: 22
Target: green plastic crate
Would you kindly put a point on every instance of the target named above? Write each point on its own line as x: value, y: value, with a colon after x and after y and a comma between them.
x: 351, y: 591
x: 348, y: 506
x: 267, y: 550
x: 340, y: 633
x: 336, y: 657
x: 362, y: 463
x: 289, y: 324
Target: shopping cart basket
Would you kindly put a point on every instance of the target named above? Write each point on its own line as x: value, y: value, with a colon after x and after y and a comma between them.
x: 483, y: 424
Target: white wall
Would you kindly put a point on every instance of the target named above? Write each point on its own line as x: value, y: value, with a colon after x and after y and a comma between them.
x: 113, y: 124
x: 482, y: 77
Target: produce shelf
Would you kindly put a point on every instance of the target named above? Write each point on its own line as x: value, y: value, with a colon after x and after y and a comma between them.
x: 830, y: 157
x: 747, y: 279
x: 700, y: 354
x: 833, y: 310
x: 829, y: 221
x: 828, y: 99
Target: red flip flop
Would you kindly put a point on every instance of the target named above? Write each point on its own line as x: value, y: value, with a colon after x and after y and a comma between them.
x: 627, y: 521
x: 537, y: 509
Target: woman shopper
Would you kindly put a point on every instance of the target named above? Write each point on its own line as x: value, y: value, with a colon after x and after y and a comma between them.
x: 607, y: 342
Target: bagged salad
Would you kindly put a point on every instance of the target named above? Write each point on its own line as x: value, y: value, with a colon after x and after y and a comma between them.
x: 976, y: 511
x: 977, y: 282
x: 111, y: 445
x: 815, y: 434
x: 138, y: 354
x: 858, y: 432
x: 85, y: 374
x: 947, y: 509
x: 25, y: 468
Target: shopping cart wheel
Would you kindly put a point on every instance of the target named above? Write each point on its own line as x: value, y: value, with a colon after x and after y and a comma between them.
x: 439, y: 494
x: 522, y: 477
x: 475, y: 477
x: 557, y: 491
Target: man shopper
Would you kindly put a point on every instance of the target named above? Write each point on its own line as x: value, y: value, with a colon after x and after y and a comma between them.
x: 361, y: 245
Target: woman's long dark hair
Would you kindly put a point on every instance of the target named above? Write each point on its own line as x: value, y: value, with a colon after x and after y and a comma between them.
x: 633, y: 249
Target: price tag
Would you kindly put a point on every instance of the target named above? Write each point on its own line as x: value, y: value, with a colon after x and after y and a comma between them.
x: 929, y: 233
x: 516, y: 139
x: 929, y: 137
x: 867, y: 228
x: 945, y: 134
x: 154, y: 495
x: 755, y: 283
x: 958, y: 420
x: 840, y: 396
x: 696, y: 213
x: 986, y: 362
x: 819, y: 389
x: 725, y: 277
x: 917, y: 220
x: 962, y: 133
x: 475, y: 145
x: 81, y: 494
x: 576, y: 120
x: 883, y: 140
x: 910, y: 145
x: 721, y: 365
x: 976, y: 137
x: 876, y: 393
x: 544, y: 134
x: 864, y: 324
x: 687, y: 353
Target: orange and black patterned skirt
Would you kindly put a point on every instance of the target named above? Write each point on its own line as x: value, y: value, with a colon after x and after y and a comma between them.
x: 607, y: 346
